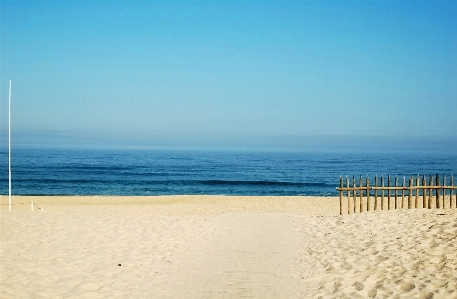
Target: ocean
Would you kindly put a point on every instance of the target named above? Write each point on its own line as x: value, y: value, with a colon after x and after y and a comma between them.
x: 174, y: 172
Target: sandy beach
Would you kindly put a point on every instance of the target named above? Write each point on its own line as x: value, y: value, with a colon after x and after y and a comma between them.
x: 223, y: 247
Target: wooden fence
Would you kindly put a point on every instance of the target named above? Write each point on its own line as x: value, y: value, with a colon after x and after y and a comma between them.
x: 417, y: 194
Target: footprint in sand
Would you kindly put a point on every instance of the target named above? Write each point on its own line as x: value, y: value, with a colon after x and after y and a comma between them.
x: 406, y: 287
x: 426, y: 295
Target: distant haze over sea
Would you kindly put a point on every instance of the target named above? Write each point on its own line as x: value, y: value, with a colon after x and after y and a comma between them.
x: 237, y: 143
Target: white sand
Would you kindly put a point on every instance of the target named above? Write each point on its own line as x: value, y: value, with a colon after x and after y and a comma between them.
x: 223, y: 247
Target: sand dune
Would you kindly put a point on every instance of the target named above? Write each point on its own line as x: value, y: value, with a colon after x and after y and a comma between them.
x: 223, y: 247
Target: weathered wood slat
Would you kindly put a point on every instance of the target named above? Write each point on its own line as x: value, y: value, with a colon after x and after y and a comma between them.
x: 355, y: 192
x: 424, y: 193
x: 382, y: 193
x: 341, y: 196
x: 437, y: 193
x: 398, y: 188
x: 349, y: 196
x: 430, y: 192
x: 444, y: 191
x: 403, y: 194
x: 361, y: 194
x: 388, y: 192
x: 396, y: 192
x: 410, y: 190
x: 368, y: 193
x: 376, y: 194
x: 453, y: 203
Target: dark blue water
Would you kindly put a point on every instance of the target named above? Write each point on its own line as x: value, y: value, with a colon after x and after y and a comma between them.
x: 153, y: 172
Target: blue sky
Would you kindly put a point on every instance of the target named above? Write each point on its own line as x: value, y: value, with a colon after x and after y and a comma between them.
x: 255, y: 74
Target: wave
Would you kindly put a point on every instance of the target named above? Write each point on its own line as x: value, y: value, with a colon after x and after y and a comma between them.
x: 262, y: 183
x: 127, y: 182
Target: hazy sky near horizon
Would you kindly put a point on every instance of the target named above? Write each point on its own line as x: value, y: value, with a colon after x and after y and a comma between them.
x: 228, y: 73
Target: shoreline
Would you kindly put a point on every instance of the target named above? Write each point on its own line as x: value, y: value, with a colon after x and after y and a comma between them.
x: 212, y: 204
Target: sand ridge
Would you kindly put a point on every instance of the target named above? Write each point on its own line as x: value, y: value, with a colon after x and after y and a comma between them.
x: 223, y: 247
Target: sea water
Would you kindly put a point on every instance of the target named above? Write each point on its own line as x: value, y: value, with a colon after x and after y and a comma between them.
x: 172, y: 172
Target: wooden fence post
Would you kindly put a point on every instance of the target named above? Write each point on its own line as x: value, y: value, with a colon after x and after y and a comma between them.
x: 403, y: 193
x: 341, y: 196
x: 368, y: 194
x: 376, y: 193
x: 430, y: 192
x: 424, y: 193
x: 382, y: 192
x: 437, y: 192
x: 361, y: 194
x: 453, y: 204
x: 444, y: 192
x: 396, y: 191
x: 410, y: 201
x: 416, y: 204
x: 354, y: 184
x: 349, y: 196
x: 388, y: 192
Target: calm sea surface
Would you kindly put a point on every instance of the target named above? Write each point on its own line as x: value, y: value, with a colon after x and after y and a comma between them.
x: 154, y: 172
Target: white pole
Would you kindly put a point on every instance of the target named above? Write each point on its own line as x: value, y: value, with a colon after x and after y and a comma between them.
x: 9, y: 149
